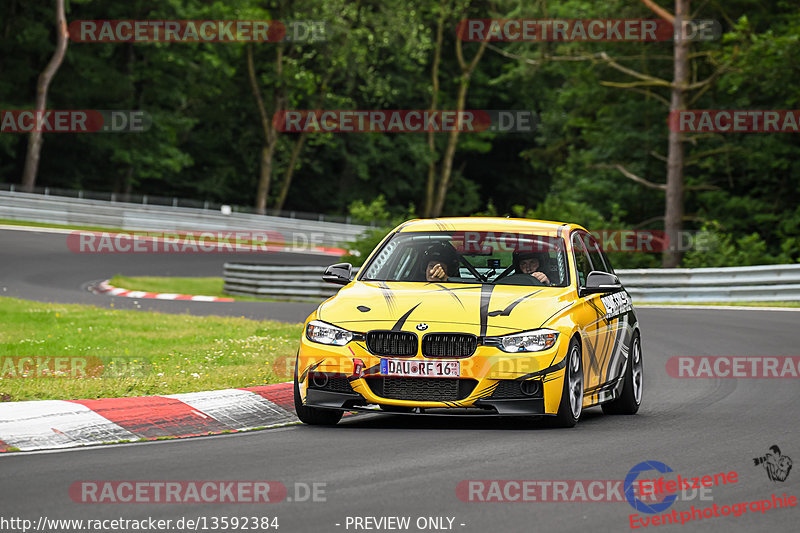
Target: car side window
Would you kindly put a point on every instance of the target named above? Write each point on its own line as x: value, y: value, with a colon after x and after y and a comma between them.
x: 598, y: 262
x: 608, y: 263
x: 406, y: 264
x: 582, y: 262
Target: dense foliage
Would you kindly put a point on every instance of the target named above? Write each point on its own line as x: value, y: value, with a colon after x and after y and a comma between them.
x: 207, y: 136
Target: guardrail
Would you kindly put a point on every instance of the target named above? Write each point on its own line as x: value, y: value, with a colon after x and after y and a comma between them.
x: 174, y: 201
x: 766, y: 283
x: 731, y: 284
x: 288, y: 282
x: 84, y: 212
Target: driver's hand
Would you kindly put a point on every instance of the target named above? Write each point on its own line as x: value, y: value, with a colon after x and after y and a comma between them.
x: 541, y: 276
x: 438, y: 272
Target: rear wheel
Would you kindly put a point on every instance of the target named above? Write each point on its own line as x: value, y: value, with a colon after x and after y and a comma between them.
x: 313, y: 416
x: 631, y: 398
x: 569, y: 410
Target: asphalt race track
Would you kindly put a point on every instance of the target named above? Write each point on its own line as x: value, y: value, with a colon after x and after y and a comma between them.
x: 39, y: 266
x: 379, y: 465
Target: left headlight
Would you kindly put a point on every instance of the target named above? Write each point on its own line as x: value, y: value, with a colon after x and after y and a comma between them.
x: 325, y: 333
x: 526, y: 341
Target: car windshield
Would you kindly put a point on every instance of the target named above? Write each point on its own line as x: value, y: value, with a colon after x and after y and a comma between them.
x: 470, y: 257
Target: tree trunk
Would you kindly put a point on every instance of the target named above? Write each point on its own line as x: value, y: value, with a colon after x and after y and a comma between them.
x: 673, y: 209
x: 287, y: 177
x: 449, y: 155
x: 298, y: 146
x: 430, y: 185
x: 264, y: 177
x: 452, y: 141
x: 35, y: 139
x: 270, y: 133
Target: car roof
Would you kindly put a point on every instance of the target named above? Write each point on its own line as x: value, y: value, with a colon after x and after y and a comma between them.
x: 519, y: 225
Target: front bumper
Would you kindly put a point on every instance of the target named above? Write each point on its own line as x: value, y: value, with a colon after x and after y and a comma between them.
x: 486, y: 385
x: 487, y: 407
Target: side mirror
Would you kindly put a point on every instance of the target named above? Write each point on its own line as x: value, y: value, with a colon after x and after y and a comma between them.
x: 600, y: 282
x: 339, y: 273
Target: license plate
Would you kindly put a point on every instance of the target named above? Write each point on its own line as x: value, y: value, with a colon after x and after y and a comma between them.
x: 418, y: 368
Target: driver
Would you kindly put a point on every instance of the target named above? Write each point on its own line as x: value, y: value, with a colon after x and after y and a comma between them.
x: 440, y: 265
x: 529, y: 263
x: 436, y: 270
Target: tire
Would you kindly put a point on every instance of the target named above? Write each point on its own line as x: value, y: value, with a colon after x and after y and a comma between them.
x: 631, y: 398
x: 571, y: 406
x: 313, y: 416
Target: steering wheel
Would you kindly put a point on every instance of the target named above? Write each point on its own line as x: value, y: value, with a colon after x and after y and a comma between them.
x: 520, y: 279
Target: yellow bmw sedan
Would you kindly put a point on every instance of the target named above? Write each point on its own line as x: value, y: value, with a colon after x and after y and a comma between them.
x: 473, y: 316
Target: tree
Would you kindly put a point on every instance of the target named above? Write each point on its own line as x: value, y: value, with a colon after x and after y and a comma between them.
x: 36, y: 138
x: 673, y: 206
x: 436, y: 191
x: 267, y: 126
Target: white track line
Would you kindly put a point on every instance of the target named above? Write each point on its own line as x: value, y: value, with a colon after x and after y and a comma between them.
x: 716, y: 307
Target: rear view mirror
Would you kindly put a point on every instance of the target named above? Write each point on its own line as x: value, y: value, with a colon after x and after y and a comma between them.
x: 339, y: 273
x: 600, y: 282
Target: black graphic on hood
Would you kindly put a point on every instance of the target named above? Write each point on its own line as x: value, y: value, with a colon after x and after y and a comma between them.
x: 486, y: 296
x: 399, y: 324
x: 388, y: 295
x: 510, y: 307
x: 450, y: 292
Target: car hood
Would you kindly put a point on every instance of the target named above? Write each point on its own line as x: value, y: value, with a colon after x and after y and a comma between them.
x: 471, y: 308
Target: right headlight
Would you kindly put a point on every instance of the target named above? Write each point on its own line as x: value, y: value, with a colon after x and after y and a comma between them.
x: 324, y: 333
x: 535, y: 340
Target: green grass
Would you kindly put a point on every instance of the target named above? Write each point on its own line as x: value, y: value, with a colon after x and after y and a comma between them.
x: 10, y: 222
x: 202, y: 286
x: 744, y: 304
x: 142, y: 352
x: 193, y: 286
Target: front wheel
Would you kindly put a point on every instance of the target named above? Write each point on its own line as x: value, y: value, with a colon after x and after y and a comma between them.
x: 631, y: 398
x: 313, y: 416
x: 569, y: 410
